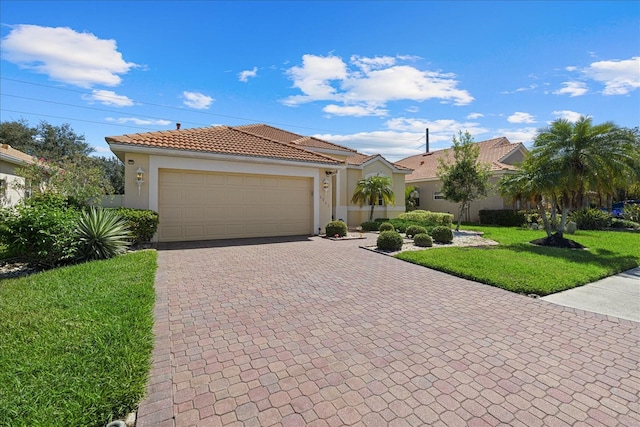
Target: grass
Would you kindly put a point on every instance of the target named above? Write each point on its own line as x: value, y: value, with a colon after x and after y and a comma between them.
x: 75, y: 342
x: 518, y: 266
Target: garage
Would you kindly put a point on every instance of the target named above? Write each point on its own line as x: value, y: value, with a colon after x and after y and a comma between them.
x: 195, y: 205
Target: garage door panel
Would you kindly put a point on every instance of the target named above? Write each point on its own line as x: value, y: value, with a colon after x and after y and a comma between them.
x: 201, y: 205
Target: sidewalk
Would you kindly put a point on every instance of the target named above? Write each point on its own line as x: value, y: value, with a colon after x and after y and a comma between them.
x: 617, y: 295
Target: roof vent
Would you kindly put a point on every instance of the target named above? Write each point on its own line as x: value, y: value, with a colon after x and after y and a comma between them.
x: 178, y: 126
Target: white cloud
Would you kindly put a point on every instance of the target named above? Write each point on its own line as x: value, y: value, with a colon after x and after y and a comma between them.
x: 354, y: 110
x: 618, y: 77
x: 369, y: 81
x: 244, y: 76
x: 137, y: 121
x: 572, y: 89
x: 81, y: 59
x: 109, y: 97
x: 412, y: 109
x: 521, y: 89
x: 572, y: 116
x: 524, y: 135
x: 473, y: 116
x: 520, y: 117
x: 571, y: 68
x: 197, y: 100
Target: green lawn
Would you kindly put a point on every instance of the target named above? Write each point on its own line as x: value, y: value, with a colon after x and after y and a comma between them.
x: 75, y: 342
x: 518, y: 266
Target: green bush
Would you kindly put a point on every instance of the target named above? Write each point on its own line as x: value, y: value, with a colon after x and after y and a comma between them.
x: 591, y: 219
x: 426, y: 217
x: 399, y: 224
x: 623, y: 223
x: 389, y: 241
x: 422, y: 240
x: 41, y: 231
x: 442, y: 234
x: 334, y: 228
x: 381, y: 220
x: 142, y: 223
x: 385, y: 226
x: 412, y: 230
x: 370, y: 226
x: 631, y: 212
x: 503, y: 217
x: 102, y: 234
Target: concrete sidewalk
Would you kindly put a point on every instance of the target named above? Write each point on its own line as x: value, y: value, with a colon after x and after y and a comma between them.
x: 617, y: 295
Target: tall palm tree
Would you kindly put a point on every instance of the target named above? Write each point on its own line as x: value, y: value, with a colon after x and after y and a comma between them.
x: 370, y: 190
x: 585, y: 157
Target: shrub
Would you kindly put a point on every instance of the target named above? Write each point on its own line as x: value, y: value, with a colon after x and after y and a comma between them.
x: 631, y: 212
x: 385, y: 226
x: 370, y: 226
x: 426, y: 217
x: 389, y: 241
x: 623, y: 223
x: 102, y: 234
x: 591, y: 219
x: 142, y: 223
x: 412, y: 230
x: 422, y: 240
x: 41, y: 231
x: 381, y: 220
x: 399, y: 224
x: 336, y: 227
x: 504, y: 217
x: 442, y: 234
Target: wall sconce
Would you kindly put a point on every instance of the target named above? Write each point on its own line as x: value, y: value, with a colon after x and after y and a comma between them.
x: 139, y: 178
x: 325, y: 185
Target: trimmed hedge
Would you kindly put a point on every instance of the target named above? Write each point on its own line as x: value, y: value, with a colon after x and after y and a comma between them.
x: 591, y: 219
x: 143, y: 224
x: 442, y: 234
x: 385, y: 226
x: 370, y: 226
x: 381, y: 220
x: 504, y: 217
x: 412, y: 230
x: 334, y: 228
x: 426, y: 217
x: 389, y: 241
x: 422, y: 240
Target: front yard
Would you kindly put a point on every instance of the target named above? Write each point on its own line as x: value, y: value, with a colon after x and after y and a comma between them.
x: 518, y: 266
x: 75, y: 342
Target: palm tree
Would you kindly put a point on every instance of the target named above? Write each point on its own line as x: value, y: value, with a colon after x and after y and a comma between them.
x: 370, y: 190
x: 585, y: 157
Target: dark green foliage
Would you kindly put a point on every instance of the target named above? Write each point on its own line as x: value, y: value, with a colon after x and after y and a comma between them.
x: 442, y: 234
x: 389, y: 241
x: 623, y: 223
x: 381, y: 220
x: 102, y: 234
x: 370, y: 226
x: 41, y: 232
x: 113, y: 173
x: 399, y: 224
x: 631, y: 212
x: 503, y: 217
x: 591, y: 219
x: 45, y: 141
x: 427, y: 218
x: 385, y: 226
x: 336, y: 228
x: 422, y: 240
x: 412, y: 230
x: 142, y: 223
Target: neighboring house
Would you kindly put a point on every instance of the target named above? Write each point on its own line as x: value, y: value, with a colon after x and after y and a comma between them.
x: 246, y: 181
x: 11, y: 185
x: 502, y: 155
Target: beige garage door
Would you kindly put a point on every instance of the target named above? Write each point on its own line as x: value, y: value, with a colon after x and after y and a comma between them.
x: 203, y: 205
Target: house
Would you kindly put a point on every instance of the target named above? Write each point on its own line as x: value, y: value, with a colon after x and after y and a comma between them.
x: 502, y: 156
x: 246, y: 181
x: 11, y: 184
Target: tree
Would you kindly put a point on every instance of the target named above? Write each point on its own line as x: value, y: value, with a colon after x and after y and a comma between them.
x: 410, y: 198
x: 113, y: 172
x: 370, y: 190
x: 464, y: 180
x: 585, y: 157
x: 45, y: 141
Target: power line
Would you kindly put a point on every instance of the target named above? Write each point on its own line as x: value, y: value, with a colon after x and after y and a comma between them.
x: 172, y: 108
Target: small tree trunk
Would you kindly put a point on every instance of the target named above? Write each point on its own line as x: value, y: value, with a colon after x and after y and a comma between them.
x: 563, y: 220
x: 543, y: 214
x: 371, y: 213
x: 462, y: 205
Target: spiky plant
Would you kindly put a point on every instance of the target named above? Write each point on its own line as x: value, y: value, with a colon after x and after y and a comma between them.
x: 102, y: 234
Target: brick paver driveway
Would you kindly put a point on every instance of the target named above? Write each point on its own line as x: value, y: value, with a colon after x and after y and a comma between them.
x: 316, y: 332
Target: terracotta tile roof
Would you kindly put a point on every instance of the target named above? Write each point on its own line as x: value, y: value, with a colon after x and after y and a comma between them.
x: 360, y: 159
x: 492, y: 151
x: 221, y: 140
x: 12, y: 155
x: 292, y: 138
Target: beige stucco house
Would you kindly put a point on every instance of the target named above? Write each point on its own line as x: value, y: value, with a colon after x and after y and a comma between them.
x: 246, y: 181
x: 11, y: 184
x: 502, y: 156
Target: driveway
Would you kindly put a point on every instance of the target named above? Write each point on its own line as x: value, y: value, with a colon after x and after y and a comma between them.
x: 310, y: 331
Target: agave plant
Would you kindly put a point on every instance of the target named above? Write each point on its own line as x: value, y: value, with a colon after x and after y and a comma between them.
x: 102, y: 234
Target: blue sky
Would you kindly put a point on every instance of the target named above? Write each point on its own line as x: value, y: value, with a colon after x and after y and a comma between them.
x: 368, y: 75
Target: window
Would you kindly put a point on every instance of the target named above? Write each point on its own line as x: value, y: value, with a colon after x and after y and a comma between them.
x: 438, y: 195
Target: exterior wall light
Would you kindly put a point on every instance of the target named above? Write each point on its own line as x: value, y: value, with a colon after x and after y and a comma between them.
x: 325, y: 185
x: 139, y: 178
